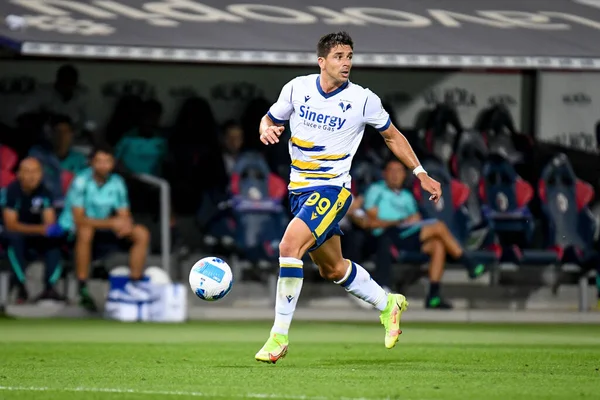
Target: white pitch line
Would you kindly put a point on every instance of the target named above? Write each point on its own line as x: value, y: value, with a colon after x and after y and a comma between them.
x: 173, y: 393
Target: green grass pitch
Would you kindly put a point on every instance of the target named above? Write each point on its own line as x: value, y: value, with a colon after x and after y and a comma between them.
x: 67, y: 360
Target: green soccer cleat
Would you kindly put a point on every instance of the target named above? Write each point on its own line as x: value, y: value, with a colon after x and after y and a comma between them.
x: 390, y: 318
x: 275, y: 348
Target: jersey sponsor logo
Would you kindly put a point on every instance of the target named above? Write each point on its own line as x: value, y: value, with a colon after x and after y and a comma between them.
x: 313, y: 119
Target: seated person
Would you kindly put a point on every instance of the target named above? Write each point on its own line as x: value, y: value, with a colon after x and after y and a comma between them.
x: 57, y: 155
x: 62, y: 142
x: 97, y: 213
x: 143, y: 149
x: 392, y: 215
x: 31, y: 230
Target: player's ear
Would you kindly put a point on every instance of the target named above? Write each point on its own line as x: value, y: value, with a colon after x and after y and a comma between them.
x: 321, y: 61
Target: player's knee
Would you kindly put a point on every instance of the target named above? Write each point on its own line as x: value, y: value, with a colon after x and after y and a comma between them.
x: 437, y: 246
x: 140, y: 234
x: 441, y: 228
x: 85, y: 234
x: 288, y: 248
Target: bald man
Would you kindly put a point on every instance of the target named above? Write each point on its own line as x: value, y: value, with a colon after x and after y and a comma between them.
x: 31, y: 229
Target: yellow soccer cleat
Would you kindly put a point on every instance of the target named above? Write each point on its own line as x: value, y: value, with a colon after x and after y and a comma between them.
x: 390, y: 318
x: 275, y: 348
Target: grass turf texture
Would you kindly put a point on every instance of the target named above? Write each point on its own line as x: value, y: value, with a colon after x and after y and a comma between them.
x: 66, y: 360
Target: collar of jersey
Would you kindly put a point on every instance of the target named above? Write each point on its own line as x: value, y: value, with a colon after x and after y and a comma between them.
x: 330, y: 94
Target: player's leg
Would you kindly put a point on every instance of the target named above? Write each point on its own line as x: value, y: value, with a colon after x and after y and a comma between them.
x: 296, y: 240
x: 49, y: 248
x: 140, y: 240
x: 438, y: 230
x: 358, y: 282
x: 17, y: 246
x: 84, y: 241
x: 348, y: 274
x: 315, y: 212
x: 437, y: 260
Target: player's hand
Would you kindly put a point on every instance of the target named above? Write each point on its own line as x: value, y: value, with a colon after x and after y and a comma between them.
x: 432, y: 186
x: 271, y: 135
x: 122, y: 226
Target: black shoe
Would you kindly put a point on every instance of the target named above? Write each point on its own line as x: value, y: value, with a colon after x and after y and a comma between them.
x: 22, y: 295
x: 51, y: 294
x: 437, y: 303
x: 86, y: 300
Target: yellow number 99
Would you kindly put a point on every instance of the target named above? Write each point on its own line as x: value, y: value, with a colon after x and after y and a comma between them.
x: 323, y: 206
x: 312, y: 200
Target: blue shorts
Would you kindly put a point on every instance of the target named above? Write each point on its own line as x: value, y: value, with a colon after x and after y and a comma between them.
x: 321, y: 208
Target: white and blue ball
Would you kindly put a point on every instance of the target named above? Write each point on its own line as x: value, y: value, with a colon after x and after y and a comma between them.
x: 211, y: 278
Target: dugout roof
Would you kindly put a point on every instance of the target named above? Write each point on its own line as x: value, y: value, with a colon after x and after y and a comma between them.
x: 422, y: 33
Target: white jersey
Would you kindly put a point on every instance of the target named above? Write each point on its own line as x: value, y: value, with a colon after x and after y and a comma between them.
x: 327, y: 128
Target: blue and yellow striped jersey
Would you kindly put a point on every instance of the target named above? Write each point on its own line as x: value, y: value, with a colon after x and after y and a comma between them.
x: 326, y: 129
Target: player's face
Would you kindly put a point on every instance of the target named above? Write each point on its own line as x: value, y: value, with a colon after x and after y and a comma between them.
x: 103, y: 164
x: 30, y: 174
x: 394, y: 174
x: 338, y: 63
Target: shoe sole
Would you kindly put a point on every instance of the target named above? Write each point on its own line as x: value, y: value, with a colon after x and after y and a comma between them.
x: 271, y: 359
x: 403, y: 306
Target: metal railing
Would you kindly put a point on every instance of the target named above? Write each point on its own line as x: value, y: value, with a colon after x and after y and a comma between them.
x: 165, y: 217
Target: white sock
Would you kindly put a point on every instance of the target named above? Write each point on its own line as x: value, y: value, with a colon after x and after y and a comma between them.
x: 289, y: 286
x: 359, y: 283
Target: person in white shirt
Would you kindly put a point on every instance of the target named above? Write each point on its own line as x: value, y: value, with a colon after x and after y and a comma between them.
x: 327, y: 115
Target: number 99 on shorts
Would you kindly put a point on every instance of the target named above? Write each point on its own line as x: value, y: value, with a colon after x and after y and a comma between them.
x: 321, y: 204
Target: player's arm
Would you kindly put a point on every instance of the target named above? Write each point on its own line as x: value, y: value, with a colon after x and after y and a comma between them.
x: 11, y: 215
x: 399, y: 146
x: 372, y: 221
x: 271, y: 125
x: 12, y: 224
x: 416, y: 217
x: 77, y: 196
x: 376, y: 116
x: 82, y: 220
x: 269, y: 130
x: 48, y: 213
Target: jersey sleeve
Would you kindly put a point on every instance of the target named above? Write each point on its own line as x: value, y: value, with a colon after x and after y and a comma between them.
x: 372, y: 196
x: 122, y: 194
x: 10, y: 197
x: 76, y: 194
x: 280, y: 111
x: 374, y: 114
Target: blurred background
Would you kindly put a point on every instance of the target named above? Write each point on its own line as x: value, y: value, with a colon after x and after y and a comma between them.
x: 503, y: 107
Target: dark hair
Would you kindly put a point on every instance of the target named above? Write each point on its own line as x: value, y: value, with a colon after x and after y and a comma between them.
x: 390, y: 159
x: 101, y: 148
x: 152, y: 107
x: 67, y: 72
x: 331, y: 40
x: 230, y: 123
x: 58, y: 119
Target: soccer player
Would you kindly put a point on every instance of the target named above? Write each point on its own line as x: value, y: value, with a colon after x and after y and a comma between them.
x: 327, y: 115
x: 392, y: 215
x: 97, y: 213
x: 31, y: 229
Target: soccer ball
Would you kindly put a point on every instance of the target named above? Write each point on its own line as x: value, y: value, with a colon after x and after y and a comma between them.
x: 211, y: 278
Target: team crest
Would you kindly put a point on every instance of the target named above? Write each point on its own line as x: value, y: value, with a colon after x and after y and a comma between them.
x: 345, y: 107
